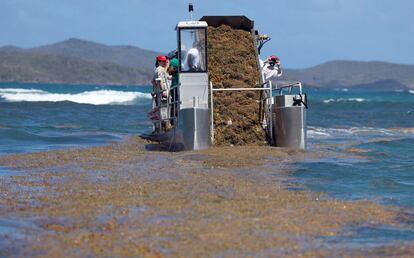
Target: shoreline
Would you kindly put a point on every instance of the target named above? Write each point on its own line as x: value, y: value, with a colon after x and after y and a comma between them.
x: 123, y: 200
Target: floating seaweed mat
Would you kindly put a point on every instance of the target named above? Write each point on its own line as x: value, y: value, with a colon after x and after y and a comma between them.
x: 232, y: 64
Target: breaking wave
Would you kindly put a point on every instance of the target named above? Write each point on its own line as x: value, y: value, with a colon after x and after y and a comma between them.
x: 411, y: 91
x: 345, y: 100
x: 98, y: 97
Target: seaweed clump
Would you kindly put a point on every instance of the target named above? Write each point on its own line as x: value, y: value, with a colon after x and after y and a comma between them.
x: 233, y: 64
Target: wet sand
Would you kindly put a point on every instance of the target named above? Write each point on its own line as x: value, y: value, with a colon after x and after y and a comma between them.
x: 125, y: 201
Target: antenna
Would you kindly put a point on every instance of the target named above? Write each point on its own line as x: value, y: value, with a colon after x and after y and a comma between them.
x: 191, y: 10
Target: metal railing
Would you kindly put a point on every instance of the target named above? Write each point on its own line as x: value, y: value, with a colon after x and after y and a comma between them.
x: 165, y: 105
x: 289, y: 87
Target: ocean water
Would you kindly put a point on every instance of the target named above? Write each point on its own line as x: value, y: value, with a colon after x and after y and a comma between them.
x: 367, y: 143
x: 37, y: 117
x: 364, y: 139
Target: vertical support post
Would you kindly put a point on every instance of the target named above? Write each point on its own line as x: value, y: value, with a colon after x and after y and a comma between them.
x: 270, y: 112
x: 211, y: 113
x: 158, y: 103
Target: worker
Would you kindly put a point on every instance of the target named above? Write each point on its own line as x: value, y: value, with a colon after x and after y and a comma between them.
x: 271, y: 68
x: 192, y: 60
x: 161, y: 85
x: 173, y: 71
x: 162, y: 74
x: 173, y: 67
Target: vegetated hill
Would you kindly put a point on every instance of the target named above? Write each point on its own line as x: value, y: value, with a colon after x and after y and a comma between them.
x: 120, y: 59
x: 355, y: 74
x: 129, y: 56
x: 37, y: 67
x: 10, y: 49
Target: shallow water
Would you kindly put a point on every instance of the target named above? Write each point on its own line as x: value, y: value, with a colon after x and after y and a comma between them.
x: 368, y: 141
x: 373, y: 132
x: 385, y: 173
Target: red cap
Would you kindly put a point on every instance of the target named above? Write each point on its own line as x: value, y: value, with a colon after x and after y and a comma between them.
x: 161, y: 58
x: 273, y: 57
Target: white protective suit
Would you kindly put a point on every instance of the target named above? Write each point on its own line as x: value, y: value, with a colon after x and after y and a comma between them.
x: 192, y: 60
x: 270, y: 73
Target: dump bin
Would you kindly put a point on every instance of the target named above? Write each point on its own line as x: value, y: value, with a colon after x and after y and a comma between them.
x: 289, y: 121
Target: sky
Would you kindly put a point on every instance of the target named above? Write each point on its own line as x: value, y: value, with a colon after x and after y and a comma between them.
x: 304, y: 32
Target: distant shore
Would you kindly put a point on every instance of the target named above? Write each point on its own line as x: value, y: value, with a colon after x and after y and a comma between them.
x: 77, y: 61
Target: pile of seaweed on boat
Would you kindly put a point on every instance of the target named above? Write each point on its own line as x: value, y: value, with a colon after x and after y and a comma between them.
x: 233, y: 64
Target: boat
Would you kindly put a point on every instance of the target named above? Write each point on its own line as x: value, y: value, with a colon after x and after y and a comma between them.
x: 190, y: 108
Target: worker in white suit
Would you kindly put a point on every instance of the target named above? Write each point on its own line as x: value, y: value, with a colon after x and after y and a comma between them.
x: 271, y: 68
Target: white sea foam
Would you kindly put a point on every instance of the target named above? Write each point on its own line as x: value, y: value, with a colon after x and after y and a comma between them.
x: 328, y: 100
x: 342, y: 89
x: 411, y: 91
x: 99, y: 97
x: 322, y: 132
x: 16, y: 91
x: 317, y: 132
x: 345, y: 100
x: 357, y: 99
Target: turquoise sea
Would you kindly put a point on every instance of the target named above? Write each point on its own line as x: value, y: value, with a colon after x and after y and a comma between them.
x: 37, y: 117
x: 364, y: 139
